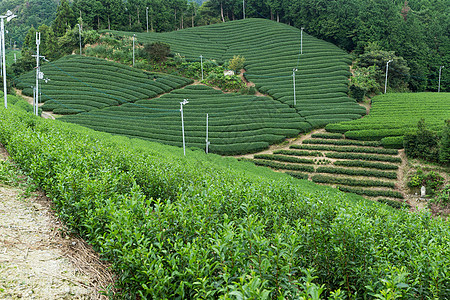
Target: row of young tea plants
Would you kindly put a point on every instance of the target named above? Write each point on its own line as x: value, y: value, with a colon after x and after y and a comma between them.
x: 394, y: 115
x: 237, y: 124
x: 352, y: 166
x: 203, y: 226
x: 79, y: 84
x: 271, y: 51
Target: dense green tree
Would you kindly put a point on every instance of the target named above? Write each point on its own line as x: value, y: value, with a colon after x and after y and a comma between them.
x: 65, y: 18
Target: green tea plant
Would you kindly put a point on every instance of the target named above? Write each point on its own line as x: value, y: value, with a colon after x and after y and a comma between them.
x: 202, y: 226
x: 396, y: 115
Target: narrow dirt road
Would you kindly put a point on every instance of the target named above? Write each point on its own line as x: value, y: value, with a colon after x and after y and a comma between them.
x: 45, y: 114
x: 37, y: 259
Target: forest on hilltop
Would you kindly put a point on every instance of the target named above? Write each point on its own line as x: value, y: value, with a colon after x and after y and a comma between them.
x: 416, y: 30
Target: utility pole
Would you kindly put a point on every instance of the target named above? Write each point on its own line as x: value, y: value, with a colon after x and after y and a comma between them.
x: 9, y: 15
x: 243, y: 8
x: 185, y: 101
x: 134, y: 36
x: 207, y: 142
x: 201, y: 63
x: 36, y: 98
x: 387, y: 69
x: 301, y: 40
x: 147, y: 18
x: 293, y: 79
x: 439, y: 86
x: 39, y: 74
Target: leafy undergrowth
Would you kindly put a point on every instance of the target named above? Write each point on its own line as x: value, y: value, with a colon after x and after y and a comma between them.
x: 203, y: 226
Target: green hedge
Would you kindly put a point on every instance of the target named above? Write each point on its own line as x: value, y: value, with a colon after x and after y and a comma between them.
x: 284, y: 158
x: 276, y: 165
x: 348, y: 149
x: 343, y: 142
x: 298, y: 175
x: 327, y: 135
x: 351, y: 182
x: 298, y: 152
x: 371, y: 173
x: 371, y: 193
x: 394, y: 142
x: 393, y: 159
x: 394, y: 204
x: 365, y: 164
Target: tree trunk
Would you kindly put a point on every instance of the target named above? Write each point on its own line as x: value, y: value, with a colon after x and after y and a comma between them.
x: 221, y: 12
x: 278, y: 18
x: 271, y: 14
x: 98, y: 22
x: 182, y: 22
x: 192, y: 18
x: 138, y: 14
x: 109, y: 23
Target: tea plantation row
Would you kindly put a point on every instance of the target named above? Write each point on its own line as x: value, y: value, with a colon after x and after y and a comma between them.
x: 203, y: 226
x: 357, y: 165
x: 396, y: 115
x: 237, y: 124
x: 79, y: 84
x: 272, y: 51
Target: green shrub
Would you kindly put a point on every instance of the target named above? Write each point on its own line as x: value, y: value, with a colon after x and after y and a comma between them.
x: 365, y: 164
x: 327, y: 136
x: 393, y: 159
x: 156, y: 51
x: 372, y: 173
x: 392, y: 142
x: 394, y: 204
x: 351, y: 182
x: 371, y: 193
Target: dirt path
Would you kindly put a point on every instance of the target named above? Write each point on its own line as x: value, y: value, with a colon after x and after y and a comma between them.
x: 45, y: 114
x: 37, y: 259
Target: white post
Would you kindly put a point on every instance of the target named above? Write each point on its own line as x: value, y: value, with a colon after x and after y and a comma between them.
x: 3, y: 61
x: 34, y: 100
x: 243, y: 8
x: 38, y: 42
x: 207, y: 142
x: 15, y: 58
x: 79, y: 34
x: 439, y: 86
x: 147, y: 18
x: 293, y: 79
x: 185, y: 101
x: 387, y: 69
x: 133, y: 48
x: 201, y: 62
x: 301, y: 41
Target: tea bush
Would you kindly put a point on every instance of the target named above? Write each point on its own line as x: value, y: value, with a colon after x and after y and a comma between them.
x: 202, y: 226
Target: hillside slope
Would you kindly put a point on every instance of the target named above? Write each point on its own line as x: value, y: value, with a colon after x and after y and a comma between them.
x: 272, y: 50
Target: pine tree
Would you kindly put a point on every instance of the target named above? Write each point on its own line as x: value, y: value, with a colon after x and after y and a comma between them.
x: 65, y: 18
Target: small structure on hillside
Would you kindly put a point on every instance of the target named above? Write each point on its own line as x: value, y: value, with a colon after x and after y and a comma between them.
x: 228, y: 73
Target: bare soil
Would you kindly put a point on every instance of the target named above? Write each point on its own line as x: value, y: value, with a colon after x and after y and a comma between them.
x: 38, y: 258
x: 45, y: 114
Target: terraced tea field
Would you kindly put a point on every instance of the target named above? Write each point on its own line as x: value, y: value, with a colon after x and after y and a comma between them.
x: 396, y: 114
x: 79, y: 84
x: 272, y: 51
x: 237, y: 123
x: 360, y: 167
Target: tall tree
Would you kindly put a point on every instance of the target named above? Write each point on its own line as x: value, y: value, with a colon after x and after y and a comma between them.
x: 65, y: 18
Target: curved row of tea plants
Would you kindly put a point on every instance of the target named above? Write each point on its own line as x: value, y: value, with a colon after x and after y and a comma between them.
x: 203, y: 226
x: 350, y: 162
x: 271, y: 52
x: 397, y: 114
x: 236, y: 123
x: 79, y: 83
